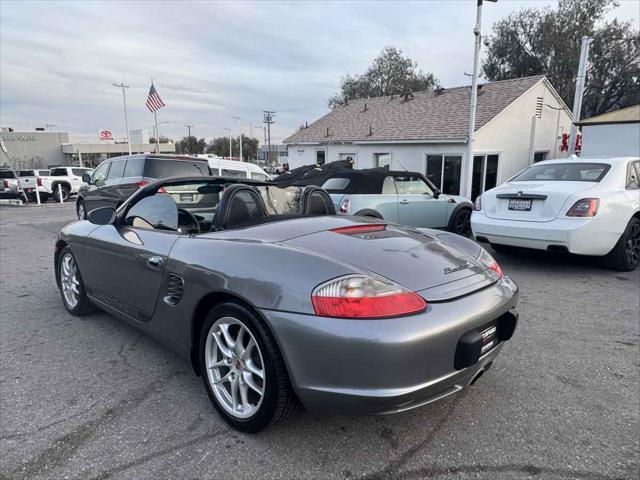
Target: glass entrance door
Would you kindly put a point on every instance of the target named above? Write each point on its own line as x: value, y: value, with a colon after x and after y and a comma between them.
x: 485, y: 174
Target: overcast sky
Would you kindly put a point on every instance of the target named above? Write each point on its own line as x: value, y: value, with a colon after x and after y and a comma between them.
x: 214, y: 60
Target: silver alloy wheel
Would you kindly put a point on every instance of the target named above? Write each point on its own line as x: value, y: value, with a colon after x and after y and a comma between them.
x: 235, y: 368
x: 81, y: 214
x: 69, y: 280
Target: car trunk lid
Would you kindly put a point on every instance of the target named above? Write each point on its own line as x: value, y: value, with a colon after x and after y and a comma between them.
x: 530, y: 201
x: 415, y: 260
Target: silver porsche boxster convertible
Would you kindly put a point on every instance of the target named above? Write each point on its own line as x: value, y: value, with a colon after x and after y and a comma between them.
x: 276, y: 301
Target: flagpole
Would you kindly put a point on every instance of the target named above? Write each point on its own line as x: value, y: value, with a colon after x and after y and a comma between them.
x: 155, y: 117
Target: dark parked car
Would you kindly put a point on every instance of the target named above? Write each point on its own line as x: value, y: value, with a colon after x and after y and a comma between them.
x: 276, y: 299
x: 116, y: 179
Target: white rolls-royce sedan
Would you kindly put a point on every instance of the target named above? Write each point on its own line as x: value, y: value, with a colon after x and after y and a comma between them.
x: 586, y: 206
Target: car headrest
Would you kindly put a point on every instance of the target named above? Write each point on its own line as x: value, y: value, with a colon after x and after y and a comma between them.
x: 239, y: 204
x: 317, y: 201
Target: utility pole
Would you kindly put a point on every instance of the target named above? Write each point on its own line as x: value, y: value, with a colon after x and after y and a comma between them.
x: 228, y: 130
x: 124, y: 101
x: 188, y: 127
x: 268, y: 119
x: 465, y: 184
x: 240, y: 130
x: 577, y: 99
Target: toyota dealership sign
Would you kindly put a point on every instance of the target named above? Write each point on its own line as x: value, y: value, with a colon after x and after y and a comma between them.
x: 105, y: 135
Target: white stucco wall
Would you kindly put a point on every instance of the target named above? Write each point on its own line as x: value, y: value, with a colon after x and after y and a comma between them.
x: 611, y: 140
x: 403, y: 156
x: 509, y: 133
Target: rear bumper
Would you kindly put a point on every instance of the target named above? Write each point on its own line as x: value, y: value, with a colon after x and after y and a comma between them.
x: 385, y: 366
x: 582, y: 236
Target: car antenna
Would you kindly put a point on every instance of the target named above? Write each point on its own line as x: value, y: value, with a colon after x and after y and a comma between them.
x: 403, y: 167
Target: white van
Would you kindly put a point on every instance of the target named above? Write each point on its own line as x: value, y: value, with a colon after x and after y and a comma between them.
x: 233, y: 168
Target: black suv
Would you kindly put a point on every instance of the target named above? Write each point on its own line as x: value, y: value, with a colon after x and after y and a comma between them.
x: 116, y: 179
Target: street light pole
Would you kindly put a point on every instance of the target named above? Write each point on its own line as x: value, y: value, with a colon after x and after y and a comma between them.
x: 230, y: 144
x: 465, y: 187
x: 124, y: 101
x: 240, y: 129
x: 188, y: 127
x: 577, y: 99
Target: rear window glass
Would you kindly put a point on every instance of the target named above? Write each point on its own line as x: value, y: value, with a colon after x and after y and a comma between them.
x: 158, y: 169
x: 117, y: 169
x: 25, y: 173
x: 233, y: 173
x: 7, y: 174
x: 43, y: 173
x: 564, y: 172
x: 78, y: 172
x: 336, y: 184
x: 134, y: 168
x: 59, y: 172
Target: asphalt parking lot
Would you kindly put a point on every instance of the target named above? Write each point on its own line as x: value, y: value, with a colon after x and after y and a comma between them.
x: 92, y: 398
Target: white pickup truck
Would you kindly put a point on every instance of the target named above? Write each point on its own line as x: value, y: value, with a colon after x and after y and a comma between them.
x: 64, y: 181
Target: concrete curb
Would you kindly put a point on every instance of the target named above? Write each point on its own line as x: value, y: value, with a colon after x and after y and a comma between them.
x: 14, y: 202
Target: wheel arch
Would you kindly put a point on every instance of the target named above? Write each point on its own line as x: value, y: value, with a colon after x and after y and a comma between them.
x: 459, y: 207
x: 369, y: 212
x: 204, y: 306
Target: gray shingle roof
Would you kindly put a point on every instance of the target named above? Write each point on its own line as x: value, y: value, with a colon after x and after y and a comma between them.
x: 429, y: 115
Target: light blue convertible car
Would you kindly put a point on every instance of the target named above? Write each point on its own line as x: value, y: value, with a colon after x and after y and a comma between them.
x: 407, y: 198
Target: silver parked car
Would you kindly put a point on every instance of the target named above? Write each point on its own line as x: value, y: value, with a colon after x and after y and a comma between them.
x: 275, y: 299
x: 407, y: 198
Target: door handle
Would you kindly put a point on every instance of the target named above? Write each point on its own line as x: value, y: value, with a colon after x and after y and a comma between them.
x: 155, y: 262
x: 404, y: 202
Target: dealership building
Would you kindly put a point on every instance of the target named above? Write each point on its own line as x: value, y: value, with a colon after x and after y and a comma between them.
x: 39, y: 149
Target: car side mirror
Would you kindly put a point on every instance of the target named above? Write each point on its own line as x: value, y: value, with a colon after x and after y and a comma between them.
x: 86, y: 178
x: 102, y: 216
x: 436, y: 194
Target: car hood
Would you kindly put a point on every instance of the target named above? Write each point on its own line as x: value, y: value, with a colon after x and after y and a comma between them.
x: 415, y: 259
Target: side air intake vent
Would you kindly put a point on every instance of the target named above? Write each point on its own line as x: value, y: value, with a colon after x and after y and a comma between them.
x: 175, y: 289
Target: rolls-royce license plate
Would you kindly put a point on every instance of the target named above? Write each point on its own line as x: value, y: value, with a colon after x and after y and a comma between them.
x: 521, y: 204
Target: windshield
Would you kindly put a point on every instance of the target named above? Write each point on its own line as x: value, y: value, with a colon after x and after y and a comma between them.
x: 564, y: 172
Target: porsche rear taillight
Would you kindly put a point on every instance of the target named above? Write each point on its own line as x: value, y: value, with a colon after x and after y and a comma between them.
x: 360, y: 296
x: 586, y: 207
x: 489, y: 262
x: 344, y: 206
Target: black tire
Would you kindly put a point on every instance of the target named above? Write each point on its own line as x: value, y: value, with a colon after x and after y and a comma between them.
x: 65, y: 192
x: 503, y: 248
x: 278, y: 400
x: 460, y: 222
x: 625, y: 256
x: 81, y: 209
x: 83, y: 305
x: 44, y: 197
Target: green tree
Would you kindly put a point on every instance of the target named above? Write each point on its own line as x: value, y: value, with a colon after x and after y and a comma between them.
x: 391, y: 73
x: 163, y: 139
x: 220, y: 147
x: 191, y: 145
x: 547, y: 41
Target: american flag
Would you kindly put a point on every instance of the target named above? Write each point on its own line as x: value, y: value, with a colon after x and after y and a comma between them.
x: 154, y: 102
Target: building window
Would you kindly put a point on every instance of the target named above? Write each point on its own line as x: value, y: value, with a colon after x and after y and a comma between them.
x: 444, y: 172
x: 382, y: 160
x: 485, y: 174
x: 320, y: 157
x: 539, y: 156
